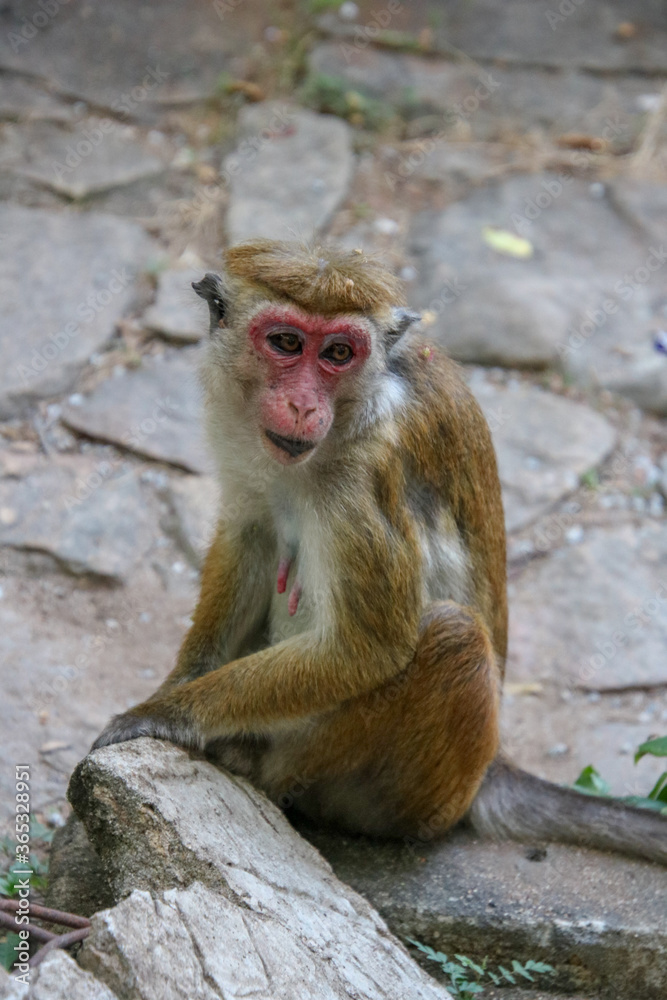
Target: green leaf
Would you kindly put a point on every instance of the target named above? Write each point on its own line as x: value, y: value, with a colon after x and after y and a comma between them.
x: 642, y: 802
x: 469, y: 964
x: 7, y: 953
x: 659, y: 790
x: 656, y: 747
x: 590, y: 782
x: 493, y: 977
x: 508, y: 975
x: 519, y: 969
x: 539, y: 967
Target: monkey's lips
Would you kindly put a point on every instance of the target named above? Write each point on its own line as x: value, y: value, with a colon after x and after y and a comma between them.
x: 294, y: 447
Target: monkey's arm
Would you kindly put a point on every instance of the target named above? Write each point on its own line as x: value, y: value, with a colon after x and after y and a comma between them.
x: 375, y: 614
x: 233, y: 603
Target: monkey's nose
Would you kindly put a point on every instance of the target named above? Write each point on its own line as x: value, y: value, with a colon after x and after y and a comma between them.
x: 302, y: 410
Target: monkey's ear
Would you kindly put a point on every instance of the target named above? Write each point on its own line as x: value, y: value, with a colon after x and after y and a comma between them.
x: 212, y: 289
x: 401, y: 320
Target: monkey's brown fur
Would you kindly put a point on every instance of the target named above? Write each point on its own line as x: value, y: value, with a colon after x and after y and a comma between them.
x: 321, y: 279
x: 381, y: 701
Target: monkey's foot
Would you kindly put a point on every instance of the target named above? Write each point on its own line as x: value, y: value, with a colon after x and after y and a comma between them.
x: 131, y: 725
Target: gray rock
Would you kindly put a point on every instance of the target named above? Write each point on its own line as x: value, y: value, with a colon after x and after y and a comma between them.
x: 58, y: 977
x: 94, y: 156
x: 587, y: 300
x: 463, y: 896
x: 65, y: 281
x: 193, y: 507
x: 225, y: 895
x: 87, y: 515
x: 491, y: 102
x: 153, y: 411
x: 544, y: 443
x: 177, y: 313
x: 560, y: 36
x: 131, y: 63
x: 24, y: 100
x: 595, y: 614
x: 77, y: 882
x: 290, y: 172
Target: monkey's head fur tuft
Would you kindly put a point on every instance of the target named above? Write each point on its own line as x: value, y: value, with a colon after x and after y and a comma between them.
x: 321, y: 279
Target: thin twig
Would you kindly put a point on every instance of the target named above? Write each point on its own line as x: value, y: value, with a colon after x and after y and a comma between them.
x: 46, y: 913
x: 38, y: 933
x: 62, y: 941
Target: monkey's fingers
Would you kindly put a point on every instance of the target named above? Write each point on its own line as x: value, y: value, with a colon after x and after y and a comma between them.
x: 139, y: 722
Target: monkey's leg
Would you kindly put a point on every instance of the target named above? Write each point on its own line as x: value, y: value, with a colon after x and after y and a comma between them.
x: 408, y: 758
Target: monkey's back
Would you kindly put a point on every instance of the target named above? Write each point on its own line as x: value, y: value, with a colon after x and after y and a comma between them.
x: 452, y: 475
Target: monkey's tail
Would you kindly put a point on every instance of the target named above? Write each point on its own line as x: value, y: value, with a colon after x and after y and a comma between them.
x: 512, y: 804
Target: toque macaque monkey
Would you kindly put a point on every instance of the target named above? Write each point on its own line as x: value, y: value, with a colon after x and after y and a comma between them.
x: 351, y: 632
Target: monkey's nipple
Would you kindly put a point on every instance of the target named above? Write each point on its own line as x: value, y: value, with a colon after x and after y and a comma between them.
x: 293, y: 600
x: 283, y: 573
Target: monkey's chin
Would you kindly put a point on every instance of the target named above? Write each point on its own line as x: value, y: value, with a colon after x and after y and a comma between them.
x: 288, y: 451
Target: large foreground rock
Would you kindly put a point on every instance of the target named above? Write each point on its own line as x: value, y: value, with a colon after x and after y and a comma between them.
x: 220, y: 896
x: 290, y: 172
x: 65, y: 281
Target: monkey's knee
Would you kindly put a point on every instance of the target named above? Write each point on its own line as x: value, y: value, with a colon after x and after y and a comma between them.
x: 454, y: 640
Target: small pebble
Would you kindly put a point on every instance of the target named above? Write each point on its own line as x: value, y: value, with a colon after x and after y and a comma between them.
x: 386, y: 226
x: 593, y: 696
x: 76, y: 399
x: 348, y: 11
x: 558, y: 750
x: 574, y: 535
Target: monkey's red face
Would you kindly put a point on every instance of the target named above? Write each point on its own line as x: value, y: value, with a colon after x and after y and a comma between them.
x: 306, y: 361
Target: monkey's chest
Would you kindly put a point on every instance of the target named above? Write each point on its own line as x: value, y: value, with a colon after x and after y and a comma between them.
x: 300, y: 577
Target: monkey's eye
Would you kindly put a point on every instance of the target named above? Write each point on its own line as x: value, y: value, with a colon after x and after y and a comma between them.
x: 340, y: 354
x: 285, y: 342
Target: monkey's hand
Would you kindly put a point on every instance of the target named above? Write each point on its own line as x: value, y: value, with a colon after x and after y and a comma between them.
x: 140, y: 721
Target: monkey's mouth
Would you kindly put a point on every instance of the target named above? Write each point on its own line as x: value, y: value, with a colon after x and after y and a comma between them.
x: 292, y: 446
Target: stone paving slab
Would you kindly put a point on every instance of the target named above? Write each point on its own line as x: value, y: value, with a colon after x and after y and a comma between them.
x: 125, y: 58
x: 65, y: 281
x: 544, y: 444
x: 482, y: 899
x: 177, y: 313
x: 153, y: 411
x: 94, y: 156
x: 270, y: 195
x: 557, y: 35
x: 588, y: 297
x: 23, y: 99
x: 497, y: 101
x: 88, y: 515
x: 595, y: 614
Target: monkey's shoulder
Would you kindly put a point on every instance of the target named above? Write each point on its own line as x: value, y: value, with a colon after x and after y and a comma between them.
x: 440, y: 413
